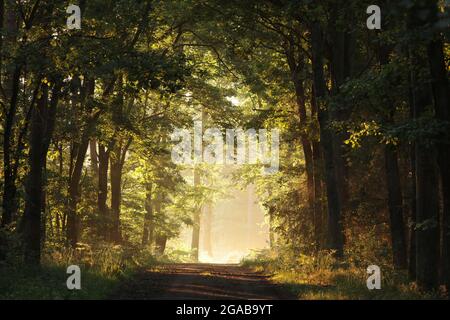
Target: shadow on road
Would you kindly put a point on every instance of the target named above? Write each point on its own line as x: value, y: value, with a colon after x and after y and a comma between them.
x: 202, y: 281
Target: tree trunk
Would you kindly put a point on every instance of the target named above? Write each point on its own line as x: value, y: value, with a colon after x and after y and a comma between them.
x: 116, y: 195
x: 319, y: 218
x: 11, y: 85
x: 73, y: 224
x: 94, y: 157
x: 395, y: 197
x: 335, y: 231
x: 295, y: 69
x: 427, y: 206
x: 395, y: 204
x: 339, y: 71
x: 2, y: 18
x: 160, y: 244
x: 427, y: 187
x: 412, y: 229
x: 117, y: 162
x: 147, y: 236
x: 102, y: 196
x: 33, y: 206
x: 271, y: 228
x: 73, y: 219
x: 195, y: 244
x: 441, y: 91
x: 9, y: 193
x: 427, y: 235
x: 412, y: 191
x: 42, y: 127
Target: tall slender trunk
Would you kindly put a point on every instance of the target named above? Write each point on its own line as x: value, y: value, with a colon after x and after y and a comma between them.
x: 195, y: 243
x: 395, y: 196
x: 412, y: 218
x: 2, y: 18
x: 73, y: 220
x: 412, y: 191
x: 427, y: 187
x: 10, y: 189
x: 335, y: 230
x: 73, y: 224
x: 160, y: 243
x: 117, y: 162
x: 11, y: 85
x: 102, y: 196
x: 157, y: 212
x: 339, y: 70
x: 271, y: 228
x: 42, y: 127
x: 93, y: 154
x: 2, y: 15
x: 116, y: 195
x: 147, y: 236
x: 427, y: 217
x: 319, y: 218
x: 441, y: 89
x: 34, y: 185
x: 427, y: 201
x: 395, y: 204
x: 295, y: 69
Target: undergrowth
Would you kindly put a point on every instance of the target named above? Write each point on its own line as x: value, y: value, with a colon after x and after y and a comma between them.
x: 322, y: 277
x: 103, y: 268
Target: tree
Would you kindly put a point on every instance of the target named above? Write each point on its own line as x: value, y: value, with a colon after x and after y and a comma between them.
x: 326, y: 138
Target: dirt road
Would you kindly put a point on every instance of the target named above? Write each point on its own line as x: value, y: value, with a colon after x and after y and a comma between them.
x: 201, y: 281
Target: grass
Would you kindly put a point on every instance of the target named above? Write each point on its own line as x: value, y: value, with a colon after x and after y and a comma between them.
x: 103, y: 269
x: 321, y: 278
x: 49, y: 282
x: 348, y: 283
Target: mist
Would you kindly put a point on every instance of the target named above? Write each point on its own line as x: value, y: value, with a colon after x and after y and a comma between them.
x: 230, y: 229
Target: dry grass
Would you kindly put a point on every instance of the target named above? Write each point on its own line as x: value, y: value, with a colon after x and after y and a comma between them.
x: 322, y: 278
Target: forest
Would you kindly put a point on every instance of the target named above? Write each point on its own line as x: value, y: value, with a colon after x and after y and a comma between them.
x: 335, y: 134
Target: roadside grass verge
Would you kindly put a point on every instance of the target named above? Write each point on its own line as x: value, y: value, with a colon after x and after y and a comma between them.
x: 322, y: 278
x: 49, y: 283
x: 103, y: 269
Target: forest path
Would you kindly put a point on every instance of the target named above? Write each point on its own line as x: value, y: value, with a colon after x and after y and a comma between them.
x: 201, y: 281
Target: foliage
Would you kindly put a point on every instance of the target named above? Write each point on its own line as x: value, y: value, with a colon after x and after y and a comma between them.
x: 319, y: 277
x: 87, y: 115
